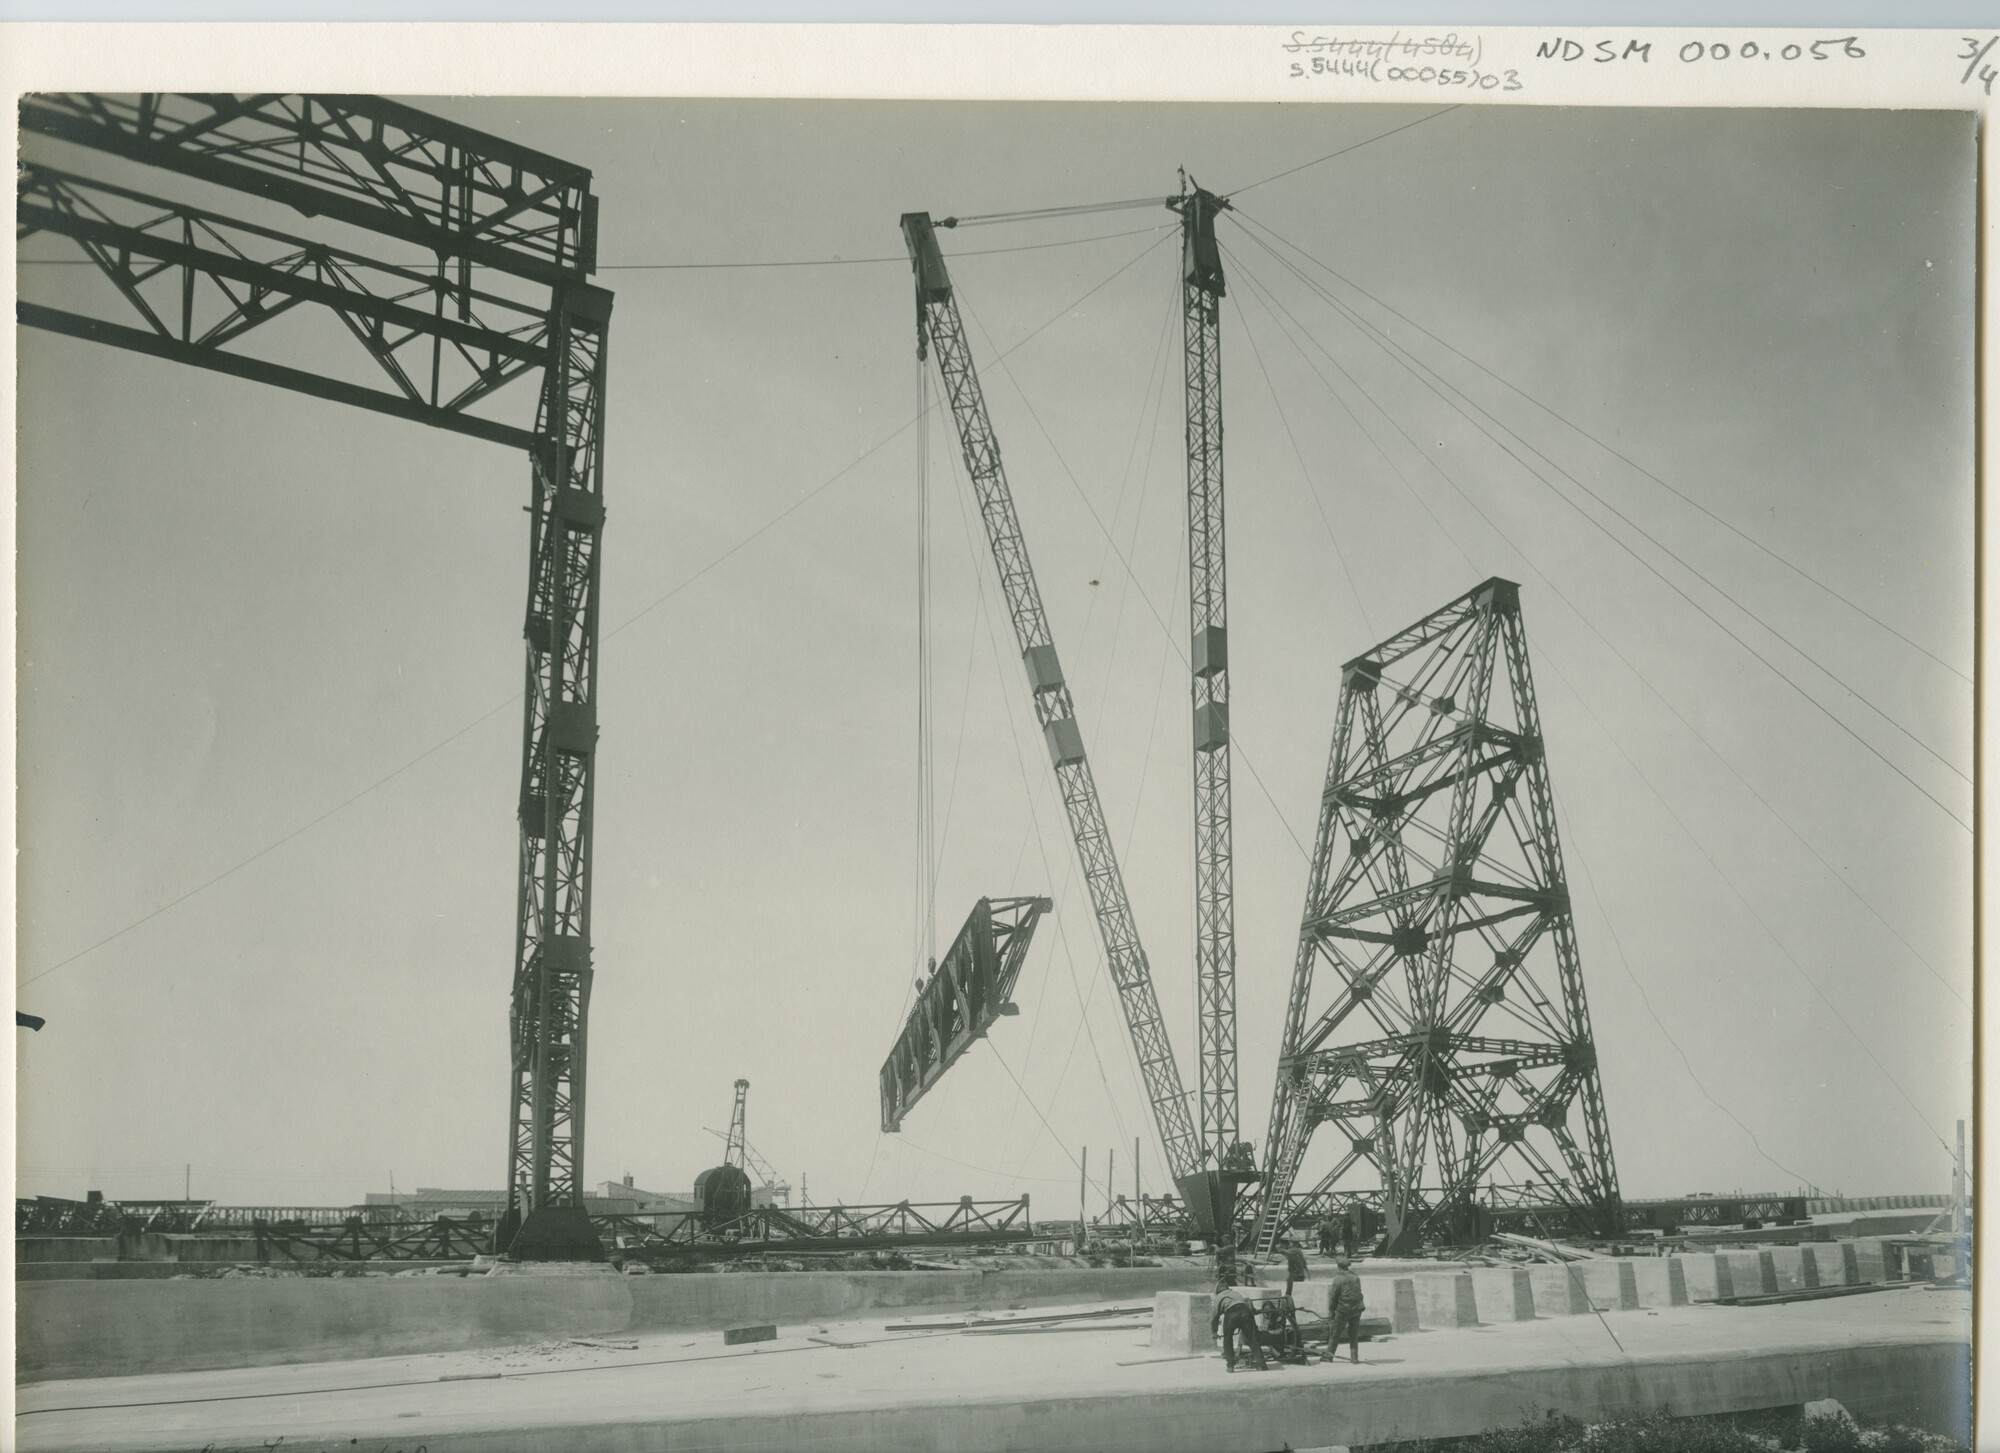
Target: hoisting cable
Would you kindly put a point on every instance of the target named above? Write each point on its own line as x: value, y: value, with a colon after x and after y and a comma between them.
x: 1041, y: 213
x: 1807, y: 696
x: 1439, y: 385
x: 1692, y: 503
x: 1588, y: 623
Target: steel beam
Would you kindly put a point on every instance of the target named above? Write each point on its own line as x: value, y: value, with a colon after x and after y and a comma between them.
x: 195, y: 286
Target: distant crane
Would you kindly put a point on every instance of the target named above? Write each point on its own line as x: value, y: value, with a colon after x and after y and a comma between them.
x: 759, y: 1167
x: 735, y: 1142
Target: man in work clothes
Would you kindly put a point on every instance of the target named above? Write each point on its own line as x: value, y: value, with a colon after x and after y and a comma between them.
x: 1225, y: 1267
x: 1344, y: 1312
x: 1236, y: 1316
x: 1295, y: 1264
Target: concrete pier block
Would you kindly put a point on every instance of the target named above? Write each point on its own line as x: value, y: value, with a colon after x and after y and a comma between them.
x: 1611, y: 1284
x: 1725, y: 1283
x: 1850, y: 1266
x: 1788, y: 1267
x: 1661, y: 1281
x: 1180, y: 1321
x: 1403, y: 1316
x: 1809, y: 1267
x: 1767, y: 1273
x: 1872, y: 1261
x: 1503, y: 1294
x: 1559, y: 1290
x: 1446, y: 1300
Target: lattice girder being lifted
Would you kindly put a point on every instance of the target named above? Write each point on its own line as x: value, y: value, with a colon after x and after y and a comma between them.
x: 966, y: 993
x: 1418, y: 1029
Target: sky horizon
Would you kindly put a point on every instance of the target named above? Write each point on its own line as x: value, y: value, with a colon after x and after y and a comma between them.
x: 251, y: 622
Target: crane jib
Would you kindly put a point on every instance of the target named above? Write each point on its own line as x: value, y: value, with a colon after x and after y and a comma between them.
x: 940, y: 329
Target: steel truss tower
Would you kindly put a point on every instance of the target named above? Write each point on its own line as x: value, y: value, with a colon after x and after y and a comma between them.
x: 939, y: 327
x: 441, y: 343
x: 1208, y: 659
x: 1418, y: 1030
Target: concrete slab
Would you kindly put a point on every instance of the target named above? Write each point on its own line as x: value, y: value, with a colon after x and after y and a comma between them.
x: 1900, y: 1354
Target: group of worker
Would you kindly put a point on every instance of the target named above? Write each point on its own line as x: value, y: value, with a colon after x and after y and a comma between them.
x: 1337, y: 1234
x: 1266, y: 1322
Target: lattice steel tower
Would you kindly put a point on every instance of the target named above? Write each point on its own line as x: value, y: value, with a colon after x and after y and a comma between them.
x: 1208, y: 660
x: 1418, y: 1030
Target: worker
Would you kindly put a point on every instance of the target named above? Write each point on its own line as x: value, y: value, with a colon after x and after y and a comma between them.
x: 1225, y: 1267
x: 1295, y: 1263
x: 1280, y: 1330
x: 1344, y: 1305
x: 1328, y: 1231
x: 1350, y: 1231
x: 1235, y: 1316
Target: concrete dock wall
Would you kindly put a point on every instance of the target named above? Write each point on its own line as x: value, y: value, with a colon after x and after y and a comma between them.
x: 117, y: 1328
x: 84, y: 1328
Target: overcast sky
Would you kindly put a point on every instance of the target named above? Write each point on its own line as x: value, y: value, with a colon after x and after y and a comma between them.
x: 239, y: 608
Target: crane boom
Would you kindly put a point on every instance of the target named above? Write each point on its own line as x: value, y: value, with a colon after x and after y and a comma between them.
x: 1208, y: 661
x: 940, y: 327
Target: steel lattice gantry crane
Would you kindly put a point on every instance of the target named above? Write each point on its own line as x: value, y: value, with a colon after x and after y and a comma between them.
x: 940, y: 329
x: 1208, y: 659
x: 1417, y: 1029
x: 440, y: 347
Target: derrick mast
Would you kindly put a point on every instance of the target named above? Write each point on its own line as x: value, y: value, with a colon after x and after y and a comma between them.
x: 940, y: 328
x: 1208, y: 659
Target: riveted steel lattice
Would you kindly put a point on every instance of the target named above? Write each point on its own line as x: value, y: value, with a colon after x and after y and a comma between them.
x: 197, y: 286
x: 971, y: 989
x: 939, y: 327
x: 1422, y: 1048
x: 1208, y: 660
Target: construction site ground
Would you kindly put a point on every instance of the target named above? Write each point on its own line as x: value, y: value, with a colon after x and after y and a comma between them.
x: 1899, y: 1354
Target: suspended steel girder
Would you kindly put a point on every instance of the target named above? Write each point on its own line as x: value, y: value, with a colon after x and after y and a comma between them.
x: 194, y: 286
x: 1436, y: 908
x: 971, y: 989
x: 940, y: 328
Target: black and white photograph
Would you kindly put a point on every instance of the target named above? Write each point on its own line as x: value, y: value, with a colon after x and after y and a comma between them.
x: 840, y: 773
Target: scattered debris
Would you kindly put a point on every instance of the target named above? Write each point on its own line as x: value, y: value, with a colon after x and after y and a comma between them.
x: 975, y: 1323
x: 754, y: 1332
x: 615, y: 1346
x: 1001, y: 1328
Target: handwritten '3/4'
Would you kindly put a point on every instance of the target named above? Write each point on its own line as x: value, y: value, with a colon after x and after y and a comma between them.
x: 1974, y: 54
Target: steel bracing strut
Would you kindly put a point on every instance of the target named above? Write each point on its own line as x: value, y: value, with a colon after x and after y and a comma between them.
x: 194, y: 286
x: 1208, y: 659
x: 940, y: 329
x: 1418, y: 1031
